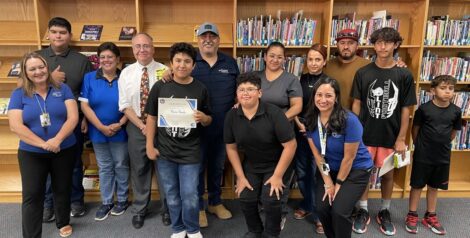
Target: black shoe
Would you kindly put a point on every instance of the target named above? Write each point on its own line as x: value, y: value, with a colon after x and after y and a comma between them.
x: 138, y: 221
x: 48, y: 215
x: 166, y: 220
x: 77, y: 210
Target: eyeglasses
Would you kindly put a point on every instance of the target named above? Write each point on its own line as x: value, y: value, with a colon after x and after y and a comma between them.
x: 142, y: 47
x: 247, y: 90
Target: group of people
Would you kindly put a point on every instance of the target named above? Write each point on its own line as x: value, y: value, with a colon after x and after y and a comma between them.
x: 342, y: 118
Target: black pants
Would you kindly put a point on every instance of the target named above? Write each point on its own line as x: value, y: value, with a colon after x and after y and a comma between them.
x: 34, y: 168
x: 272, y: 206
x: 336, y: 219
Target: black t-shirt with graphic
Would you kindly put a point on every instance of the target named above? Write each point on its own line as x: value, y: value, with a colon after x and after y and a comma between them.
x: 177, y: 144
x: 432, y: 145
x: 383, y: 93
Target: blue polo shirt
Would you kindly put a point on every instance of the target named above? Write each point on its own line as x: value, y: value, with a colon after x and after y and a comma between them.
x: 102, y: 96
x: 220, y: 81
x: 335, y: 145
x: 31, y: 107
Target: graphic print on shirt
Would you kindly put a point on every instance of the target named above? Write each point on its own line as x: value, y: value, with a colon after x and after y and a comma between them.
x: 382, y: 102
x: 178, y: 132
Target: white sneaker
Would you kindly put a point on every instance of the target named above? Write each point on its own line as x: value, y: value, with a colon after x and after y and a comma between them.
x: 181, y: 234
x: 195, y: 235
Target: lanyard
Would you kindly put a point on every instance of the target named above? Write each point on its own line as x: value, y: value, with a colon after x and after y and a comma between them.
x: 322, y: 136
x: 43, y: 111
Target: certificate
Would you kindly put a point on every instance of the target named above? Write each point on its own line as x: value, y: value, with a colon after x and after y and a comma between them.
x: 176, y: 112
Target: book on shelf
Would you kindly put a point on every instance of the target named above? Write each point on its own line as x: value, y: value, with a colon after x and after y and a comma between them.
x: 15, y: 69
x: 460, y: 99
x: 91, y: 32
x: 432, y: 65
x: 127, y: 32
x: 293, y: 64
x: 442, y: 31
x: 364, y: 27
x: 4, y: 105
x: 93, y: 58
x: 91, y: 179
x: 262, y: 30
x: 462, y: 139
x: 374, y: 179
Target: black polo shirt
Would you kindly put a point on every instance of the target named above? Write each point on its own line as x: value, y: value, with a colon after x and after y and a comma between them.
x: 261, y: 137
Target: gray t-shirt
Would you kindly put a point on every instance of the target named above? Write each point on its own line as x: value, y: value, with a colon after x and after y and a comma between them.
x: 280, y: 90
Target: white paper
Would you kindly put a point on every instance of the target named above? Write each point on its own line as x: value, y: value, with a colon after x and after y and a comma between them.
x: 387, y: 165
x: 176, y: 112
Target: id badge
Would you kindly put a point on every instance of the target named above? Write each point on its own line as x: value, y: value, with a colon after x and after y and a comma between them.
x: 45, y: 120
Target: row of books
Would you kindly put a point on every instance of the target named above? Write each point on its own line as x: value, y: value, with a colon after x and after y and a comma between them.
x: 461, y: 99
x: 433, y: 65
x: 462, y: 139
x: 293, y: 64
x: 440, y: 30
x: 364, y: 27
x: 262, y: 30
x: 4, y: 105
x: 93, y: 32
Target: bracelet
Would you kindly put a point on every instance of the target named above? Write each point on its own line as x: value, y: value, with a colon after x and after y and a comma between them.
x: 339, y: 181
x: 327, y: 186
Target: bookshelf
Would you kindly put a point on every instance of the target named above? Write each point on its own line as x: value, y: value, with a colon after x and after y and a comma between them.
x: 169, y: 21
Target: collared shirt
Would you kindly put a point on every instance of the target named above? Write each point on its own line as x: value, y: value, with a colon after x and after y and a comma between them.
x: 95, y: 85
x: 261, y: 137
x: 129, y: 83
x: 72, y: 63
x: 31, y: 107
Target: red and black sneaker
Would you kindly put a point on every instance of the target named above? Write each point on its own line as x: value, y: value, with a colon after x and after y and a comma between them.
x: 411, y: 223
x: 432, y: 222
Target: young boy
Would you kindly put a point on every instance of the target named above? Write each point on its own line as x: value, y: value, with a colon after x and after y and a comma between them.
x: 177, y: 149
x: 435, y: 125
x: 383, y: 97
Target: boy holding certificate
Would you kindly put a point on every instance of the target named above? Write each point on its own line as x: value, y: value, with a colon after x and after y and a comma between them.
x: 178, y: 147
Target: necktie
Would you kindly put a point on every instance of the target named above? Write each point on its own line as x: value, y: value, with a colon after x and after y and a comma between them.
x: 144, y: 93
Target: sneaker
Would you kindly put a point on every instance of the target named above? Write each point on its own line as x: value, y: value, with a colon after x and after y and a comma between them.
x: 195, y: 235
x: 411, y: 223
x: 220, y: 211
x: 432, y: 222
x: 283, y: 221
x: 360, y: 221
x: 103, y: 212
x: 385, y: 221
x: 119, y: 209
x: 203, y: 219
x: 48, y: 215
x: 181, y: 234
x: 77, y: 210
x: 300, y: 214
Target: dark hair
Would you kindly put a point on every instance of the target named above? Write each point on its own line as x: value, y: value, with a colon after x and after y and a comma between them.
x: 109, y: 46
x: 337, y: 121
x: 387, y: 34
x: 251, y: 78
x: 61, y: 22
x: 320, y: 49
x: 185, y: 48
x: 276, y: 44
x: 443, y: 79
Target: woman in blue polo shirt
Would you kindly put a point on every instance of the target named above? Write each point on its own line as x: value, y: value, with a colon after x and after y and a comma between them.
x: 99, y: 103
x: 43, y: 113
x: 344, y: 164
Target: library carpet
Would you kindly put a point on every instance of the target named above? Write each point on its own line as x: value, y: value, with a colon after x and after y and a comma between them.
x: 454, y: 214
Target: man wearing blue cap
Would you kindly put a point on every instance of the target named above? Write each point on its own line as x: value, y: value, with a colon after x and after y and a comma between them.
x: 218, y: 72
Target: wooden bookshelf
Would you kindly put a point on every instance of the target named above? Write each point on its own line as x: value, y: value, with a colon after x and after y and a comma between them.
x: 170, y: 21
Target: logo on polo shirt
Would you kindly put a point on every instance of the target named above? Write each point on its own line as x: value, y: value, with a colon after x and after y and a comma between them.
x: 57, y: 94
x: 224, y: 71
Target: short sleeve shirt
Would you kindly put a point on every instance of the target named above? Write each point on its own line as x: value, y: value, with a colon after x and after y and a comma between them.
x: 261, y: 137
x: 383, y: 93
x: 280, y: 90
x: 334, y: 153
x: 178, y: 144
x: 106, y: 108
x: 34, y: 106
x: 433, y: 142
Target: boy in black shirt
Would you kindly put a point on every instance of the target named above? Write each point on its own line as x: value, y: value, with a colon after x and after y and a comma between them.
x: 435, y: 125
x: 177, y: 149
x: 383, y: 97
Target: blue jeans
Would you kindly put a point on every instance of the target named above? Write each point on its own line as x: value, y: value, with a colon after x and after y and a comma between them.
x: 213, y: 158
x: 180, y: 185
x: 305, y: 168
x: 78, y: 192
x: 113, y: 163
